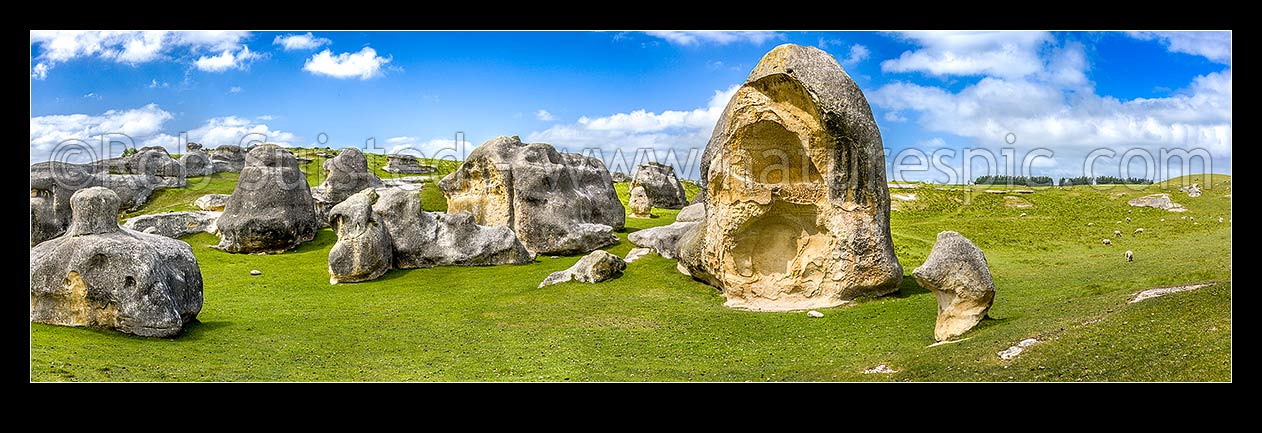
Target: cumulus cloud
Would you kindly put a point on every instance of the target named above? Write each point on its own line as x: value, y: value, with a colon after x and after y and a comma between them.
x: 544, y: 115
x: 300, y: 42
x: 227, y: 60
x: 858, y: 53
x: 364, y: 64
x: 623, y: 140
x: 995, y: 53
x: 136, y: 127
x: 714, y: 36
x: 129, y: 47
x: 1215, y: 46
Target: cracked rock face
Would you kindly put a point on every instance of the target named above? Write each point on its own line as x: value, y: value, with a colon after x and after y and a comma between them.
x: 271, y: 209
x: 556, y: 203
x: 661, y: 185
x: 100, y: 275
x: 957, y: 274
x: 793, y: 184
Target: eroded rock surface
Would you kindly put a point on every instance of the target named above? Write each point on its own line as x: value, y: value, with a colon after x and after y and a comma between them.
x: 271, y: 209
x: 957, y: 274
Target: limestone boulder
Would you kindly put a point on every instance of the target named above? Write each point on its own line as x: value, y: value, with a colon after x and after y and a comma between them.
x: 363, y: 250
x: 957, y: 274
x: 174, y: 224
x: 212, y: 202
x: 639, y: 203
x: 691, y: 213
x: 197, y: 163
x: 619, y: 177
x: 423, y: 239
x: 595, y: 267
x: 346, y: 174
x: 133, y: 189
x: 663, y: 239
x: 228, y: 158
x: 271, y: 209
x: 794, y: 191
x: 100, y: 275
x: 157, y: 162
x: 1157, y: 201
x: 659, y: 181
x: 556, y: 203
x: 52, y: 185
x: 406, y: 164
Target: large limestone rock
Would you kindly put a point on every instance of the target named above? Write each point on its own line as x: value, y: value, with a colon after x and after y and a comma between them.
x: 660, y: 183
x: 174, y: 224
x: 197, y: 163
x: 346, y: 174
x: 663, y: 239
x: 363, y: 250
x: 691, y: 213
x: 641, y: 206
x: 228, y: 158
x: 556, y: 203
x: 133, y: 189
x: 423, y: 239
x: 598, y: 266
x: 796, y: 203
x: 1157, y: 201
x: 155, y: 161
x: 271, y: 208
x: 957, y: 274
x: 103, y: 276
x: 406, y: 164
x: 52, y: 185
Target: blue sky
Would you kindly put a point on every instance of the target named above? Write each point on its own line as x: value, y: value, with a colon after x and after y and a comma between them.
x: 1070, y: 94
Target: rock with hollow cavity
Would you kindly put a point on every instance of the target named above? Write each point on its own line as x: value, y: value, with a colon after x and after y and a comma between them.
x: 556, y: 203
x: 271, y: 209
x: 592, y: 268
x: 424, y: 239
x: 659, y: 181
x: 639, y: 203
x: 104, y: 276
x: 406, y: 164
x: 663, y: 239
x: 174, y: 224
x: 212, y: 202
x: 957, y: 274
x: 793, y: 181
x: 363, y: 250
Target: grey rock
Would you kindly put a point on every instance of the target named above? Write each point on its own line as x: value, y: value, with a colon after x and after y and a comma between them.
x: 411, y: 183
x: 132, y: 189
x: 639, y: 203
x: 423, y: 239
x: 53, y: 183
x: 256, y: 272
x: 619, y: 177
x: 228, y: 158
x: 197, y: 163
x: 814, y: 314
x: 193, y: 146
x: 363, y: 250
x: 174, y: 224
x: 595, y: 267
x: 635, y: 254
x: 957, y: 274
x: 212, y: 202
x: 103, y: 276
x: 348, y: 174
x: 691, y: 213
x: 406, y: 164
x: 155, y: 161
x: 659, y: 181
x: 271, y: 209
x: 556, y: 203
x: 1193, y: 190
x: 664, y: 239
x: 1157, y: 201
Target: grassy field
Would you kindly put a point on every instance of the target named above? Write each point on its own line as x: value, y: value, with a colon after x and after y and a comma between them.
x: 1055, y: 282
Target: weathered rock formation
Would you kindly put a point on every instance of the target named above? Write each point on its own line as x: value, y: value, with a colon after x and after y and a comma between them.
x: 174, y: 224
x: 957, y: 274
x: 691, y: 213
x: 228, y: 158
x: 659, y: 181
x: 619, y: 176
x: 363, y: 249
x: 556, y: 203
x: 793, y: 179
x: 271, y: 208
x: 197, y: 163
x: 155, y: 161
x: 664, y: 239
x: 212, y: 202
x: 1158, y: 201
x: 423, y: 239
x: 641, y: 206
x: 592, y: 268
x: 53, y: 183
x: 406, y: 164
x: 103, y: 276
x: 346, y: 174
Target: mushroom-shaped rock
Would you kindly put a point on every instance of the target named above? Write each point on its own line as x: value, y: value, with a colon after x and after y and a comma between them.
x: 423, y: 239
x: 595, y: 267
x: 103, y: 276
x: 363, y: 250
x: 957, y: 274
x: 659, y: 181
x: 556, y: 203
x: 639, y: 203
x: 793, y: 184
x: 271, y: 209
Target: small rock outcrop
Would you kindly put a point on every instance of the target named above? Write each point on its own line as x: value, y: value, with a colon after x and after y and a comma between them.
x: 271, y: 209
x: 639, y: 203
x: 957, y: 274
x: 659, y: 181
x: 156, y: 161
x: 212, y: 202
x: 228, y: 158
x: 595, y: 267
x: 423, y: 239
x: 100, y: 275
x: 556, y: 203
x: 197, y: 163
x: 1157, y: 201
x: 174, y: 224
x: 663, y: 239
x: 363, y: 250
x: 406, y: 164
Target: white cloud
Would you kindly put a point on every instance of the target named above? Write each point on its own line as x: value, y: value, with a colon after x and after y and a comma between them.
x: 858, y: 53
x: 715, y: 36
x: 92, y: 95
x: 365, y: 64
x: 235, y: 89
x: 144, y: 126
x: 544, y: 115
x: 266, y: 117
x: 227, y: 60
x: 932, y: 142
x: 128, y: 47
x: 1215, y: 46
x: 154, y: 84
x: 300, y: 42
x: 994, y: 53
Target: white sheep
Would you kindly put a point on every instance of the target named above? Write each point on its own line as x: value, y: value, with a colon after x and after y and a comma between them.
x: 1220, y: 219
x: 1130, y: 256
x: 1117, y: 233
x: 1139, y: 230
x: 1128, y: 219
x: 1090, y: 224
x: 1108, y: 242
x: 1023, y: 215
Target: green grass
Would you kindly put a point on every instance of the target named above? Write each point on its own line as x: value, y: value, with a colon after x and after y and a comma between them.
x: 1055, y: 282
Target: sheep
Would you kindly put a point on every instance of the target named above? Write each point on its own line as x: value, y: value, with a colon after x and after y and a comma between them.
x: 1220, y: 219
x: 1090, y: 224
x: 1117, y: 233
x: 1139, y: 230
x: 1130, y: 256
x: 1108, y: 242
x: 1023, y: 215
x: 1128, y: 219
